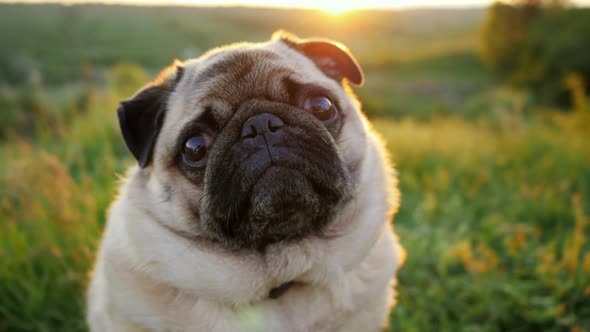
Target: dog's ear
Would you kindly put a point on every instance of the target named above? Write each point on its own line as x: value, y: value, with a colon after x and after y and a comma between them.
x: 142, y: 116
x: 331, y: 57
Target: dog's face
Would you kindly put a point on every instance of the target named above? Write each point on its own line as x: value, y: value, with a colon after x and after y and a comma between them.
x: 250, y: 144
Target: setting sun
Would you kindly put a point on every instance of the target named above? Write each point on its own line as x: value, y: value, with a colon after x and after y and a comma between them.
x: 333, y: 7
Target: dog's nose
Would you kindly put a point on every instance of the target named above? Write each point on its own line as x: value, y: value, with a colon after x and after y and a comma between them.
x: 261, y: 124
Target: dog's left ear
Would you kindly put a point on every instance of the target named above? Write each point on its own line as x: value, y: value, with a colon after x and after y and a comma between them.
x: 141, y: 116
x: 331, y: 57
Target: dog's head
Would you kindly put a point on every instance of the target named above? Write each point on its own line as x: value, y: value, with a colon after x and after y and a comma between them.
x: 252, y: 143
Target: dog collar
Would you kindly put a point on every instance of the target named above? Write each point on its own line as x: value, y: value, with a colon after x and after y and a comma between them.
x: 277, y: 292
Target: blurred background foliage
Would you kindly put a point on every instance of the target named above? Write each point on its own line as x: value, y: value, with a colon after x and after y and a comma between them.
x: 485, y: 112
x: 540, y: 44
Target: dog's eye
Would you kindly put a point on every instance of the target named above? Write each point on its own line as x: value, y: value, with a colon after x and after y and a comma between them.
x: 321, y: 107
x: 195, y: 150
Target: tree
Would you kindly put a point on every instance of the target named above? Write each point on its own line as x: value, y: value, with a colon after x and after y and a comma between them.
x: 504, y: 32
x: 537, y: 44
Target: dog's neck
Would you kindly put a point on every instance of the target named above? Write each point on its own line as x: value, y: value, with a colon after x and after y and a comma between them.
x: 277, y: 292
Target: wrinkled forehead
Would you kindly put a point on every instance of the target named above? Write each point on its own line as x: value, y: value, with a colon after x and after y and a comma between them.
x: 225, y: 78
x: 240, y: 75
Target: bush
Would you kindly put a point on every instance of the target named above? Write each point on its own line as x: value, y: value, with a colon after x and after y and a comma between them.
x: 537, y: 44
x: 547, y: 61
x: 503, y: 34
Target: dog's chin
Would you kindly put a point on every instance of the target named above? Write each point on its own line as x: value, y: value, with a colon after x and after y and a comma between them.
x: 284, y: 205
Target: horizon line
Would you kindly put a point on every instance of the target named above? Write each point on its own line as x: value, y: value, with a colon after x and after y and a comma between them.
x: 235, y: 4
x: 444, y: 5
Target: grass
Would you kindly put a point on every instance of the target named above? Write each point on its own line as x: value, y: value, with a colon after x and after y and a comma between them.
x: 496, y: 189
x: 55, y: 193
x: 495, y: 225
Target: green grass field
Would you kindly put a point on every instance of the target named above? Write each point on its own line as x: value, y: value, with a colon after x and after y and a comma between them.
x: 495, y: 188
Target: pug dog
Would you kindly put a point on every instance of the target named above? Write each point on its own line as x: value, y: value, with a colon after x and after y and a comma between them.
x: 262, y: 199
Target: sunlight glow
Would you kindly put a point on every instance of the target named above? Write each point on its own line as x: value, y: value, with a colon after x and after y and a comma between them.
x: 332, y: 7
x: 338, y: 7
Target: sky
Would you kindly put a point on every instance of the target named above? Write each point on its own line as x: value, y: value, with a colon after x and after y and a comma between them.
x: 334, y: 6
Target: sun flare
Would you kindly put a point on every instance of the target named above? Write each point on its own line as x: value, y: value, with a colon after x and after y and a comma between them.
x: 337, y: 8
x: 332, y: 7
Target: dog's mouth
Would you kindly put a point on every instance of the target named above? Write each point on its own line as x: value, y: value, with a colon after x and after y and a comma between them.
x: 269, y: 200
x: 284, y: 204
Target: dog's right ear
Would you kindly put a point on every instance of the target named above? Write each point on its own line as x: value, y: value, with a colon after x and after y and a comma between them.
x: 141, y: 117
x: 331, y: 57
